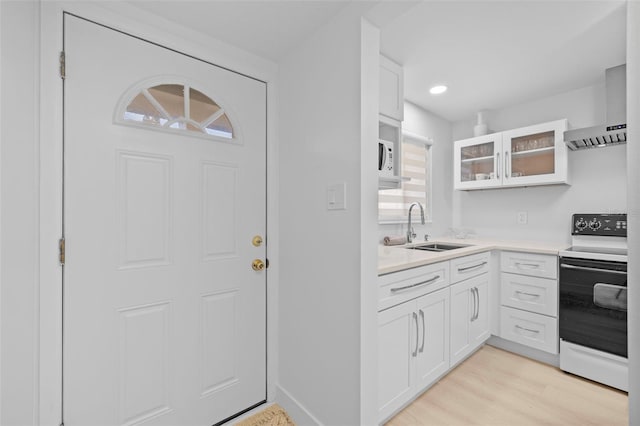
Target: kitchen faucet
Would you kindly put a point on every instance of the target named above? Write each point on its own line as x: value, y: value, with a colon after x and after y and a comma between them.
x: 410, y: 234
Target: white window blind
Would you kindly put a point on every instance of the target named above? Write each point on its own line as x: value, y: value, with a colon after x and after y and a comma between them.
x: 393, y: 204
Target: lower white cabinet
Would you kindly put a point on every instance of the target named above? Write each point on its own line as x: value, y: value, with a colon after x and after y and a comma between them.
x: 413, y: 349
x: 533, y: 330
x: 469, y: 316
x: 529, y: 300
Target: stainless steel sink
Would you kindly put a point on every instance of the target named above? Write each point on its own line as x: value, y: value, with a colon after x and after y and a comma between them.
x: 438, y: 246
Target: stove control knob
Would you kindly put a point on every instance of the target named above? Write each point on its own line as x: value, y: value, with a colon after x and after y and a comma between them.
x: 581, y: 224
x: 595, y: 224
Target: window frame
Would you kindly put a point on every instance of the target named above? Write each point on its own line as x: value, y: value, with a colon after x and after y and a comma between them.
x: 128, y: 96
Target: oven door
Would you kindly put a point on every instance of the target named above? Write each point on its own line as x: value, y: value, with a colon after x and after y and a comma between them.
x: 593, y: 304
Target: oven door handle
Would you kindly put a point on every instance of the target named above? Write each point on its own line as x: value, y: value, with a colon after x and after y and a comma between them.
x: 585, y: 268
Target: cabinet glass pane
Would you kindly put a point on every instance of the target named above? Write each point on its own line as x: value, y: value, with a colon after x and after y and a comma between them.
x: 533, y: 154
x: 477, y: 162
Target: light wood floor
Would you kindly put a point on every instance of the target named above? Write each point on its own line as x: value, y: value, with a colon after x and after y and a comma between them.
x: 495, y: 387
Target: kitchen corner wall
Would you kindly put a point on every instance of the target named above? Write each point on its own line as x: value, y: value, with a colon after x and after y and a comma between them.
x: 319, y: 124
x: 597, y: 176
x: 427, y: 124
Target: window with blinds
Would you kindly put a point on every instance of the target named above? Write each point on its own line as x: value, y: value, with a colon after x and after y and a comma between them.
x: 393, y: 204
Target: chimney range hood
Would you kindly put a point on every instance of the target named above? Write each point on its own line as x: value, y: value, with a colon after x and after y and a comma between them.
x: 614, y: 130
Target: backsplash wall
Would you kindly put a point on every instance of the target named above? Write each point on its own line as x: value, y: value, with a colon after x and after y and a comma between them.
x: 597, y: 176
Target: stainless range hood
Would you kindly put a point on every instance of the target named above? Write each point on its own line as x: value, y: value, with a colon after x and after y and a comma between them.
x: 614, y: 130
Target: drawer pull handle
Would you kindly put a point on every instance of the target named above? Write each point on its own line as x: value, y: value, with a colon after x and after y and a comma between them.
x: 528, y: 265
x: 407, y: 287
x: 472, y: 267
x: 527, y: 294
x: 527, y: 329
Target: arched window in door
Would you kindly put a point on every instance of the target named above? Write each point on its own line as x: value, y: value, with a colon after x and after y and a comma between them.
x: 178, y: 107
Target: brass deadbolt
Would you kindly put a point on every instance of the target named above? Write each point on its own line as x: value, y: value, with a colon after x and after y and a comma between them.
x: 257, y: 241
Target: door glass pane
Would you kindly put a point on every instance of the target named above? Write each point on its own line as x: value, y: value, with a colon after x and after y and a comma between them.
x: 171, y: 97
x: 221, y: 127
x: 164, y: 106
x: 141, y: 110
x: 477, y: 162
x: 201, y: 107
x: 533, y: 154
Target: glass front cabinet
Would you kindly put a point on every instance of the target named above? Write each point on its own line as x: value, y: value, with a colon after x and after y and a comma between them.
x: 533, y: 155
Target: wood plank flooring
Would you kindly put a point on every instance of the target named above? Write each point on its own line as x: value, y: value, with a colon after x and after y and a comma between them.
x: 495, y: 387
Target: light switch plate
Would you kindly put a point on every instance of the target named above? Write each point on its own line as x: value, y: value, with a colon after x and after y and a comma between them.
x: 337, y: 196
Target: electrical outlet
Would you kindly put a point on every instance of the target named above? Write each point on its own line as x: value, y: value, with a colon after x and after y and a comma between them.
x: 522, y: 218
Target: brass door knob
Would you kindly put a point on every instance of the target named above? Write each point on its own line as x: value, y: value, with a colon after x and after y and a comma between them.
x: 257, y: 265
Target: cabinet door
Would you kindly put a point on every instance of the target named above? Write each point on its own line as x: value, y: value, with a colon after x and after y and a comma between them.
x: 535, y: 155
x: 433, y: 350
x: 391, y: 89
x: 479, y: 328
x: 477, y: 162
x: 461, y: 311
x: 397, y: 350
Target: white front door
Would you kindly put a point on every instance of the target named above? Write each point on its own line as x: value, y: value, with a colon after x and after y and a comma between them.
x: 164, y: 317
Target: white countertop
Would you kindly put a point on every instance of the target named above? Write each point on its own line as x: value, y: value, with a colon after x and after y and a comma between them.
x: 398, y: 258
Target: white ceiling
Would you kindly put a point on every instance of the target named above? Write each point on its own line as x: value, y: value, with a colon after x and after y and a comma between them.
x: 491, y: 54
x: 268, y: 28
x: 495, y: 54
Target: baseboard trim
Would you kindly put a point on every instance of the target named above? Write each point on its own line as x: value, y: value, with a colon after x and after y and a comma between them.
x: 517, y: 348
x: 295, y: 409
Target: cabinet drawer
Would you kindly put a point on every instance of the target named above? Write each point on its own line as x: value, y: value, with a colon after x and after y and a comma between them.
x: 535, y: 265
x: 533, y: 294
x: 534, y: 330
x: 469, y: 266
x: 399, y: 287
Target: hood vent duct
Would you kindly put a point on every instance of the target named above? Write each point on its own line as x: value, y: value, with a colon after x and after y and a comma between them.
x: 614, y: 130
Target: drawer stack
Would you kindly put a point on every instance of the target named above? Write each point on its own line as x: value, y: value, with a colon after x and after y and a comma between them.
x: 529, y: 300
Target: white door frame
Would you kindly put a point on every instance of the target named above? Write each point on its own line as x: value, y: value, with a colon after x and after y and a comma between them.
x: 128, y: 19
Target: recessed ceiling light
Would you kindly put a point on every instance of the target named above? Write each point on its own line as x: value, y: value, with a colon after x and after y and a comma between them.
x: 436, y: 90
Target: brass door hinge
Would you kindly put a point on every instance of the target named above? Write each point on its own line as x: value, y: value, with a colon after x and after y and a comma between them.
x: 61, y: 250
x: 63, y: 66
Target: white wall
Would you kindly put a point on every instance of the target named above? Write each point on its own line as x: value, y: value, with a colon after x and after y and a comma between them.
x: 633, y: 159
x: 19, y: 140
x: 320, y: 250
x: 598, y: 177
x: 427, y: 124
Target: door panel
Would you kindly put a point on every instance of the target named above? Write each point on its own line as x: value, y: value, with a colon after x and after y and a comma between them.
x: 164, y: 316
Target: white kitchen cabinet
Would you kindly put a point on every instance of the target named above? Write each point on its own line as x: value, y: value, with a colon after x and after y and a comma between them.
x: 533, y: 330
x: 397, y: 340
x: 530, y: 264
x: 469, y: 266
x: 413, y: 349
x: 469, y: 326
x: 529, y: 300
x: 391, y: 89
x: 432, y: 359
x: 533, y: 155
x: 398, y: 287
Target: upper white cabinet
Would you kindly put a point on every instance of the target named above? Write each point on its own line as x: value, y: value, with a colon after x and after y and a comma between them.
x: 391, y: 89
x: 533, y: 155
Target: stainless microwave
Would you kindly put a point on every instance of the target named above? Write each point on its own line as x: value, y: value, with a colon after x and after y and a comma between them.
x: 385, y: 158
